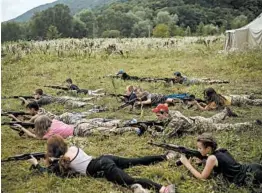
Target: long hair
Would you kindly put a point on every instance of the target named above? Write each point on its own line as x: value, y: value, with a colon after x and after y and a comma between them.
x: 211, y: 95
x: 56, y: 149
x: 42, y: 124
x: 208, y: 141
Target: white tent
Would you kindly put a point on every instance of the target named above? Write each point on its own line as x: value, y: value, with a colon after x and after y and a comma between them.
x: 245, y: 37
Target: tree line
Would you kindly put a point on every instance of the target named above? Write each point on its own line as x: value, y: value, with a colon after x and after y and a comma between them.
x: 134, y: 18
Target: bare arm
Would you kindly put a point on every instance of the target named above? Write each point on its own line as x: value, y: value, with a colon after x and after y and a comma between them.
x: 147, y: 102
x: 25, y: 102
x: 14, y: 118
x: 32, y: 120
x: 210, y: 163
x: 208, y: 107
x: 27, y: 132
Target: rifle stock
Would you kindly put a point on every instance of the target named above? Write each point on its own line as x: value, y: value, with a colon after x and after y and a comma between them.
x: 180, y: 149
x: 37, y: 155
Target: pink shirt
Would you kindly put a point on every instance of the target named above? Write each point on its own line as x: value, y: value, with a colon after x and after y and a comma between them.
x: 59, y: 128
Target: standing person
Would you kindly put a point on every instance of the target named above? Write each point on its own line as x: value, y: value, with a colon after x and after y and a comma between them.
x: 218, y: 101
x: 221, y: 162
x: 108, y: 166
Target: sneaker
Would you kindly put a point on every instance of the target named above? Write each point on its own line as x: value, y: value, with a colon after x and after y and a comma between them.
x: 170, y: 189
x: 171, y: 155
x: 230, y: 113
x: 137, y: 188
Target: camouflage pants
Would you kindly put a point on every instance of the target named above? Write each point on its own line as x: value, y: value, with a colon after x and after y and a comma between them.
x: 73, y: 118
x: 237, y: 100
x: 96, y: 126
x: 181, y: 124
x: 73, y: 102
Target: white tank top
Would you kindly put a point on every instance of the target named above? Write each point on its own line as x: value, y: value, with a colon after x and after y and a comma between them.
x: 80, y: 162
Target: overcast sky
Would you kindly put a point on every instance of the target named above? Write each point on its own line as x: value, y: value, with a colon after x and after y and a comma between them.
x: 13, y: 8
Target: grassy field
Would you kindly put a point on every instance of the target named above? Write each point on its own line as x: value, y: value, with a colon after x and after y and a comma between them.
x: 23, y: 73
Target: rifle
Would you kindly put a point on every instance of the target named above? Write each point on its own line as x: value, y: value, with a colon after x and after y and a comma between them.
x: 130, y: 102
x: 116, y: 95
x: 180, y: 149
x: 57, y: 87
x: 24, y: 124
x: 147, y: 123
x: 15, y: 113
x: 16, y: 97
x: 192, y: 98
x: 142, y: 125
x: 26, y: 156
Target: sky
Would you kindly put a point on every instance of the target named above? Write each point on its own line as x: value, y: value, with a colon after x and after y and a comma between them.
x: 13, y: 8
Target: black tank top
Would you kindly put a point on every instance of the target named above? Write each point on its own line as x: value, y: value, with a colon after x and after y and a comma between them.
x: 229, y: 167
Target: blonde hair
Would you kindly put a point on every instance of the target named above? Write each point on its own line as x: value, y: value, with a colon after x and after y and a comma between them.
x: 42, y: 124
x: 130, y: 88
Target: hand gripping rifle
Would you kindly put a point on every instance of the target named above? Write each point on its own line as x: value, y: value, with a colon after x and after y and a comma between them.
x: 23, y: 124
x: 26, y: 156
x: 180, y: 149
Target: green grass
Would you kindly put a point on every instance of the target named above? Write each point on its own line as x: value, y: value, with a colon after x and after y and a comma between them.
x: 21, y: 76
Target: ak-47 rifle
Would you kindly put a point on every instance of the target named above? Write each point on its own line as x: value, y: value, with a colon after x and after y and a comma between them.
x: 15, y: 113
x: 192, y: 98
x: 180, y: 149
x: 84, y: 91
x: 143, y: 125
x: 16, y: 97
x: 147, y: 123
x: 26, y: 156
x: 57, y: 87
x: 23, y: 124
x: 128, y: 103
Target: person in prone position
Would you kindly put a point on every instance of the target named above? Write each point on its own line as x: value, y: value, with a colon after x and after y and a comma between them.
x: 73, y: 159
x: 45, y: 128
x: 179, y: 124
x: 67, y: 117
x: 222, y: 162
x: 217, y: 101
x: 71, y: 102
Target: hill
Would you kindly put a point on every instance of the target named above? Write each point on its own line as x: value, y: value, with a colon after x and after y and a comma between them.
x: 74, y: 5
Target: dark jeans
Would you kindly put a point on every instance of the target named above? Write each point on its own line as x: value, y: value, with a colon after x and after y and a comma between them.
x: 254, y: 174
x: 111, y: 167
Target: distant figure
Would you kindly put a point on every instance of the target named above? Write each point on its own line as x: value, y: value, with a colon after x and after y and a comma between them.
x: 185, y: 80
x: 74, y: 88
